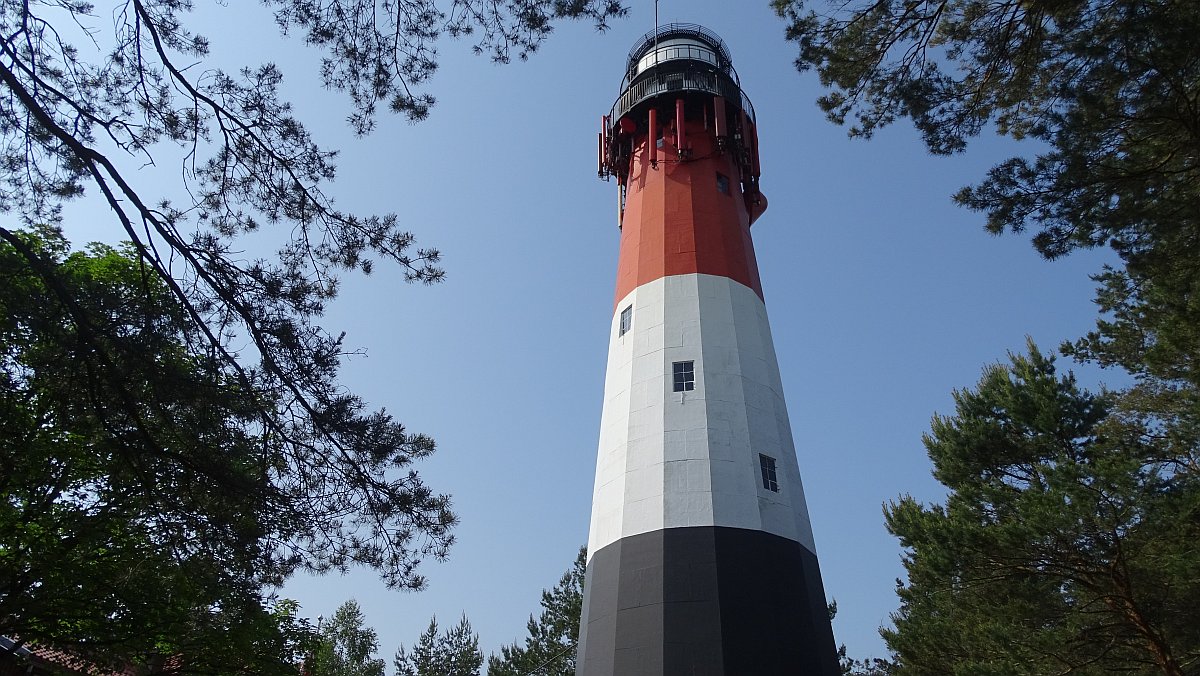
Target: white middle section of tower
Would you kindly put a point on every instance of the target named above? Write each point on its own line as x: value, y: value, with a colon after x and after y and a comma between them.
x: 674, y: 459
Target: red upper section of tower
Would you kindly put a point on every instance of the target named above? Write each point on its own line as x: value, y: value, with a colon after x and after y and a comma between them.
x: 682, y: 143
x: 684, y: 215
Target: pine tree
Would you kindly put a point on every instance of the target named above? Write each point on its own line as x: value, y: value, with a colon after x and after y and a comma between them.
x: 1069, y: 555
x: 1107, y: 88
x: 454, y: 652
x: 347, y: 647
x: 1067, y: 542
x: 550, y: 647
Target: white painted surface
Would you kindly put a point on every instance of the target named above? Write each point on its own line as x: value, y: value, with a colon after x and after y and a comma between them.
x: 670, y: 459
x: 677, y: 48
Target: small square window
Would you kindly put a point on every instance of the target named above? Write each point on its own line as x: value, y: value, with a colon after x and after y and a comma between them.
x: 626, y: 320
x: 770, y: 480
x: 723, y: 183
x: 685, y: 376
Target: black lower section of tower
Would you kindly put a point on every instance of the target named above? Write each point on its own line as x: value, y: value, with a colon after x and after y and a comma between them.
x: 705, y: 601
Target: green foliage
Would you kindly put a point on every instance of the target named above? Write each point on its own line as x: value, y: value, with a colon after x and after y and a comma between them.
x: 392, y: 49
x: 1067, y: 542
x: 345, y: 647
x: 871, y: 666
x: 173, y: 433
x: 1064, y: 544
x: 139, y: 516
x: 138, y: 87
x: 549, y: 649
x: 454, y: 652
x: 867, y: 667
x: 1108, y: 88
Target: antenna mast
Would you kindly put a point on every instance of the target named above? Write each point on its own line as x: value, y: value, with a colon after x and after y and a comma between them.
x: 656, y: 33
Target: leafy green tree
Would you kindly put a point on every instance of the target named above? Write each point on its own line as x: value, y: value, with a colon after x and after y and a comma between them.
x: 550, y: 647
x: 141, y: 515
x: 1107, y: 87
x: 173, y: 424
x: 454, y: 652
x: 1067, y: 542
x: 346, y: 647
x: 137, y: 88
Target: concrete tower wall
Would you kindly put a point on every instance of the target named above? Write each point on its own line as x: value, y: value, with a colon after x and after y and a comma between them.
x: 671, y: 459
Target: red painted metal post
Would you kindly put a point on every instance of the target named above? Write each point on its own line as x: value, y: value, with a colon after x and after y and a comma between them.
x: 720, y: 128
x: 652, y: 138
x: 680, y: 135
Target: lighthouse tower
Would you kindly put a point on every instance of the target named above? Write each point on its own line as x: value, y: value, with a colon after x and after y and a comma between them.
x: 701, y: 558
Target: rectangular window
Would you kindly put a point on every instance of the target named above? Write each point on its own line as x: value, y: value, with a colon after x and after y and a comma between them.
x: 767, y: 464
x: 723, y: 183
x: 685, y: 376
x: 626, y: 320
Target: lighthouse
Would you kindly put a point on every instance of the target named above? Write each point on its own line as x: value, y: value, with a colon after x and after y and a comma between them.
x: 700, y: 556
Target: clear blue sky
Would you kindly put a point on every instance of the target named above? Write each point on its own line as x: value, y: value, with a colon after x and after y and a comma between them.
x: 883, y: 297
